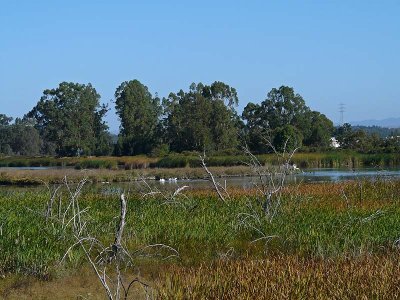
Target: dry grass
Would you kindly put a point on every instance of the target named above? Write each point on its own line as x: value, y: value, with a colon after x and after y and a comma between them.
x: 24, y: 177
x: 82, y: 284
x: 275, y: 277
x: 286, y: 277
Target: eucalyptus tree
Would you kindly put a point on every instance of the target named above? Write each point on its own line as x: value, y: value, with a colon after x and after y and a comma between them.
x: 19, y: 137
x: 4, y: 120
x: 5, y: 134
x: 139, y: 114
x: 321, y: 131
x: 284, y: 115
x: 70, y: 119
x: 204, y: 118
x: 25, y: 138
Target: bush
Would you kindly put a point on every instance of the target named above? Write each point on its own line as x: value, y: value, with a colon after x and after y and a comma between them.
x: 96, y: 164
x: 174, y: 161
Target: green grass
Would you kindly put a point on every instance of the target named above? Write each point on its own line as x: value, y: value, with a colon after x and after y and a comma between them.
x: 331, y: 159
x: 311, y: 223
x: 90, y: 162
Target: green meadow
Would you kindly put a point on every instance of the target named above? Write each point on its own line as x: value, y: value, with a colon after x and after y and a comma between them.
x: 326, y: 226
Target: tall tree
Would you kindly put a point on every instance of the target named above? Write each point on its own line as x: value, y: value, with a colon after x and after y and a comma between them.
x: 321, y: 130
x: 204, y: 118
x: 287, y: 138
x: 139, y: 114
x: 70, y: 117
x: 284, y: 114
x: 283, y: 107
x: 4, y: 120
x: 5, y: 135
x: 256, y: 129
x: 25, y: 138
x: 278, y: 117
x: 224, y: 118
x: 355, y: 139
x: 18, y: 138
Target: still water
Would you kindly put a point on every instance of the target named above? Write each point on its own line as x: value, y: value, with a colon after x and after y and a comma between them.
x: 306, y: 176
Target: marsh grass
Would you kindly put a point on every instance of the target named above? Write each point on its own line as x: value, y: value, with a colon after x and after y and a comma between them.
x: 56, y: 176
x: 314, y: 221
x: 332, y: 159
x: 286, y: 277
x: 108, y: 162
x: 331, y: 241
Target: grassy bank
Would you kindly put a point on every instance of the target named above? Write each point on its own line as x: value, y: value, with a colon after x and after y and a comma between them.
x: 56, y: 176
x: 304, y: 160
x: 107, y: 162
x: 320, y: 229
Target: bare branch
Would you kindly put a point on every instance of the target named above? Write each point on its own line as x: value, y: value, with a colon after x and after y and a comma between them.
x: 203, y: 164
x: 120, y: 230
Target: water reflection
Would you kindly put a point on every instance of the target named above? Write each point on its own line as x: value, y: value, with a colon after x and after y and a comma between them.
x: 333, y: 175
x: 309, y: 176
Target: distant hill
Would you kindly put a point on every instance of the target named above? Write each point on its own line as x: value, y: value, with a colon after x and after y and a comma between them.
x: 383, y: 132
x: 388, y: 123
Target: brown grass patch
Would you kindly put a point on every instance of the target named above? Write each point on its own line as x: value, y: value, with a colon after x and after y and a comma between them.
x: 286, y: 277
x: 82, y: 284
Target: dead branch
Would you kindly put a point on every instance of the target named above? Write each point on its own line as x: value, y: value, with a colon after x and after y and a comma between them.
x: 216, y: 185
x: 120, y: 230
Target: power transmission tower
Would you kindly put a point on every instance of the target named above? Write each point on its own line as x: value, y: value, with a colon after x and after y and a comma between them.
x: 341, y: 110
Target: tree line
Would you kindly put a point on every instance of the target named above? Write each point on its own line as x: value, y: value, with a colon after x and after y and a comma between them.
x: 69, y: 120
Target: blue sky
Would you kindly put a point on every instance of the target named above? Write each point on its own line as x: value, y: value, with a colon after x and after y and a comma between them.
x: 328, y: 51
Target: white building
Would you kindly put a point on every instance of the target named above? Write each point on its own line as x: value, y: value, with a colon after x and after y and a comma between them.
x: 334, y: 143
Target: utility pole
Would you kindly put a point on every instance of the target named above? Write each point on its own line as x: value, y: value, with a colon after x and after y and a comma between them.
x: 341, y: 111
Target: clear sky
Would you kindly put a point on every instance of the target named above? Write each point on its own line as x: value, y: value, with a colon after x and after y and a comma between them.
x: 328, y: 51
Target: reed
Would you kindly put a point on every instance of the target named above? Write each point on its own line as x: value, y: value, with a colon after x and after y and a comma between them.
x: 314, y: 221
x: 286, y: 277
x: 333, y: 159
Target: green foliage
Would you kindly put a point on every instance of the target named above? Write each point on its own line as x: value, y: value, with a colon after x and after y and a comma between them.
x: 382, y: 132
x: 201, y: 119
x: 96, y: 164
x: 283, y: 107
x: 172, y: 161
x: 138, y: 112
x: 284, y: 114
x: 4, y: 120
x: 70, y: 119
x: 26, y: 139
x: 6, y: 136
x: 287, y: 138
x: 161, y: 150
x: 314, y: 221
x: 320, y: 131
x: 361, y: 141
x: 20, y: 138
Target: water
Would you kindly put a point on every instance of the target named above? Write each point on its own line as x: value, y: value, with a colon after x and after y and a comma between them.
x: 334, y: 175
x: 34, y: 168
x: 307, y: 176
x: 25, y: 168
